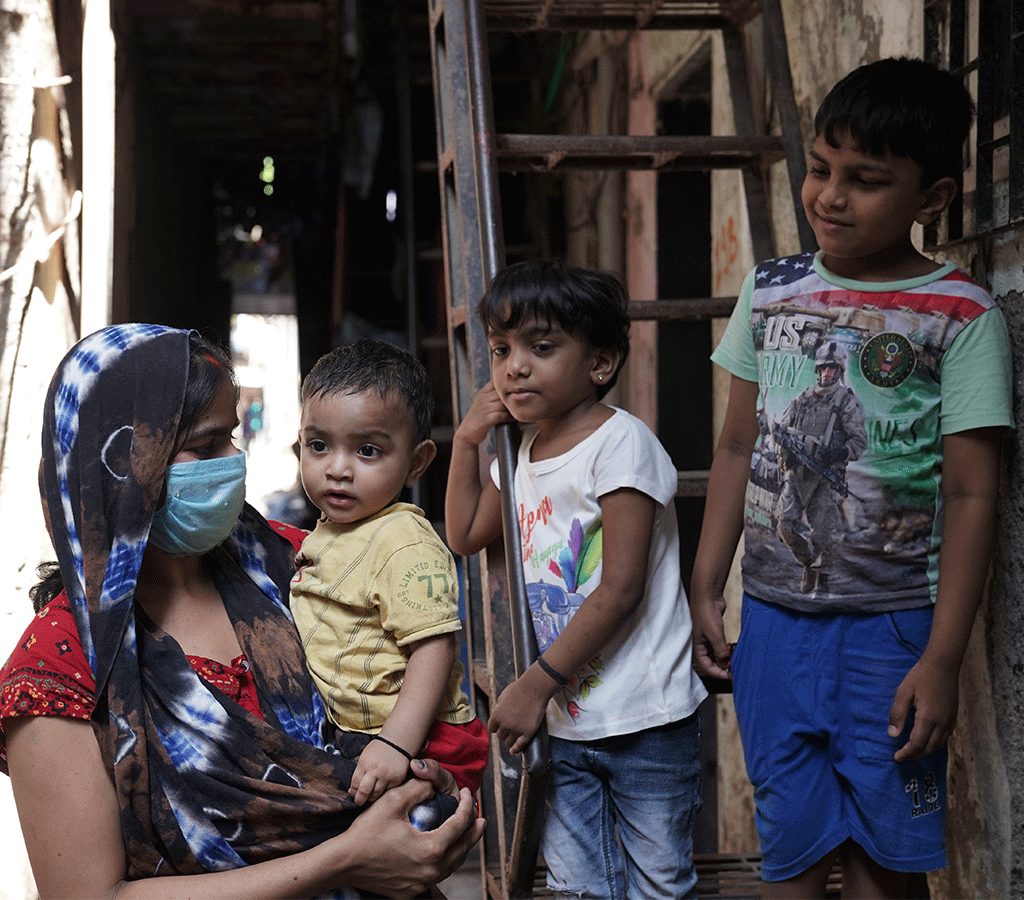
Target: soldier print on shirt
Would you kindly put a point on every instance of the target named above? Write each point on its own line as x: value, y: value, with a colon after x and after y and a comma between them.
x: 845, y: 478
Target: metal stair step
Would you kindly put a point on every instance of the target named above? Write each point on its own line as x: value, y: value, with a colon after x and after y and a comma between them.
x: 722, y: 875
x: 692, y: 309
x: 561, y: 152
x: 692, y: 483
x: 627, y: 15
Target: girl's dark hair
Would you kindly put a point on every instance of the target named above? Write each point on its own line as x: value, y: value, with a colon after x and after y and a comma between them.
x: 585, y: 303
x: 907, y: 106
x: 208, y: 366
x: 369, y: 366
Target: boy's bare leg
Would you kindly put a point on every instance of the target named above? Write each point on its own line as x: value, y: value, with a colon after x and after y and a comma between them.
x: 863, y: 877
x: 808, y: 885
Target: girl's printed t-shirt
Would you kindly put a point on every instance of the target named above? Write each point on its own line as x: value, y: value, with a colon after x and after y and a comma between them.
x: 643, y: 677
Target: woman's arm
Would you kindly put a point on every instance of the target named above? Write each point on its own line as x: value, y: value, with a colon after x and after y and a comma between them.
x: 472, y: 509
x: 61, y: 789
x: 627, y: 518
x: 423, y: 687
x: 721, y: 529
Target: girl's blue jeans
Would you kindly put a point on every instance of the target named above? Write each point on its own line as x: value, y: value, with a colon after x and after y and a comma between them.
x: 620, y: 814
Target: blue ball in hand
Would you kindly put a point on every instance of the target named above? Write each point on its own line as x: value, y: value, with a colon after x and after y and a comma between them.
x: 431, y: 813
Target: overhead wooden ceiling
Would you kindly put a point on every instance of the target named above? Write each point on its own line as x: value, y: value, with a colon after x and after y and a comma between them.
x: 231, y: 74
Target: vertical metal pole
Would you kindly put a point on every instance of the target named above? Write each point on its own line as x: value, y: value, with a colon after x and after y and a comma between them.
x: 406, y: 199
x: 1016, y: 110
x: 957, y: 59
x: 761, y: 233
x: 526, y: 835
x: 782, y: 92
x: 983, y: 200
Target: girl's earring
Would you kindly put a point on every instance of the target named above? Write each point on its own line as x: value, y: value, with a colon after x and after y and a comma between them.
x: 600, y: 377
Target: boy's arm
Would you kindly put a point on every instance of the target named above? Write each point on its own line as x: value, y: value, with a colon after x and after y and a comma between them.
x: 472, y: 509
x: 721, y: 529
x: 628, y: 523
x: 970, y: 483
x: 426, y: 678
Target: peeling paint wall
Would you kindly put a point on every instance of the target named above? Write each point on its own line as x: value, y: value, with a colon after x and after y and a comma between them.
x: 986, y: 831
x: 1005, y: 621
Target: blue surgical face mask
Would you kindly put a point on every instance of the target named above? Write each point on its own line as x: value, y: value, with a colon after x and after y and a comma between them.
x: 204, y: 500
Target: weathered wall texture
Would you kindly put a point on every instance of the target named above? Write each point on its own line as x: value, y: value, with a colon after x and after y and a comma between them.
x: 596, y: 104
x: 987, y: 750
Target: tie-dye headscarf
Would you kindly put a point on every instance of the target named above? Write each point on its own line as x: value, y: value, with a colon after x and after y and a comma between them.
x: 203, y: 785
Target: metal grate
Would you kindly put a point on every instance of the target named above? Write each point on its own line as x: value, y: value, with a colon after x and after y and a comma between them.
x: 983, y: 42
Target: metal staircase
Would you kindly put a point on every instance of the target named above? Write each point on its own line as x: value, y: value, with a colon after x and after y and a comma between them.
x: 470, y: 154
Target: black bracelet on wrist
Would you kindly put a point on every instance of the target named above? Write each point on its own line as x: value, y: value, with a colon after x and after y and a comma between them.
x: 392, y: 745
x: 551, y: 671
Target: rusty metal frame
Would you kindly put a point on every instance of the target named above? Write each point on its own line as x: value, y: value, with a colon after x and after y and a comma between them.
x: 469, y: 156
x: 495, y: 587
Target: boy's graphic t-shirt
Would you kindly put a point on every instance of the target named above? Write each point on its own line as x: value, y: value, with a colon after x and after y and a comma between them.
x: 857, y: 384
x: 643, y: 677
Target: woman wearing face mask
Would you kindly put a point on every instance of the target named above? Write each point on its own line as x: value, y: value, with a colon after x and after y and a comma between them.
x: 157, y: 715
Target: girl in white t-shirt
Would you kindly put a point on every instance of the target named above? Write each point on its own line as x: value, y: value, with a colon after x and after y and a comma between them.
x: 595, y: 493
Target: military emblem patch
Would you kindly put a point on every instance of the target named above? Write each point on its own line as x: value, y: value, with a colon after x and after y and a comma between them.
x: 887, y: 360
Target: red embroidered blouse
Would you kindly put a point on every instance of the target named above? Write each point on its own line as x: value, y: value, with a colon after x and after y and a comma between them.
x: 47, y: 674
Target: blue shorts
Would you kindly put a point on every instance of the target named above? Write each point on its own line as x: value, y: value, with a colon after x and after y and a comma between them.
x: 812, y: 695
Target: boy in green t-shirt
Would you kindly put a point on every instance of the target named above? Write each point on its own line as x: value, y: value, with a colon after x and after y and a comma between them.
x: 869, y: 396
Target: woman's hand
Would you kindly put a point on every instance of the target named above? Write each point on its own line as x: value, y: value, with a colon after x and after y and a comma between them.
x: 388, y: 856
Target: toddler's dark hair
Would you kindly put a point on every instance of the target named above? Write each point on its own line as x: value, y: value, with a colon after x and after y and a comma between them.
x: 588, y: 304
x: 907, y: 106
x: 374, y: 366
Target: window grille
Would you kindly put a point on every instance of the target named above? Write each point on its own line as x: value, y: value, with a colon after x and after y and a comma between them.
x: 982, y: 41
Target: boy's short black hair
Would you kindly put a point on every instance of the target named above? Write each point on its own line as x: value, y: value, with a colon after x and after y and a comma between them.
x: 907, y: 106
x: 588, y: 304
x: 374, y: 366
